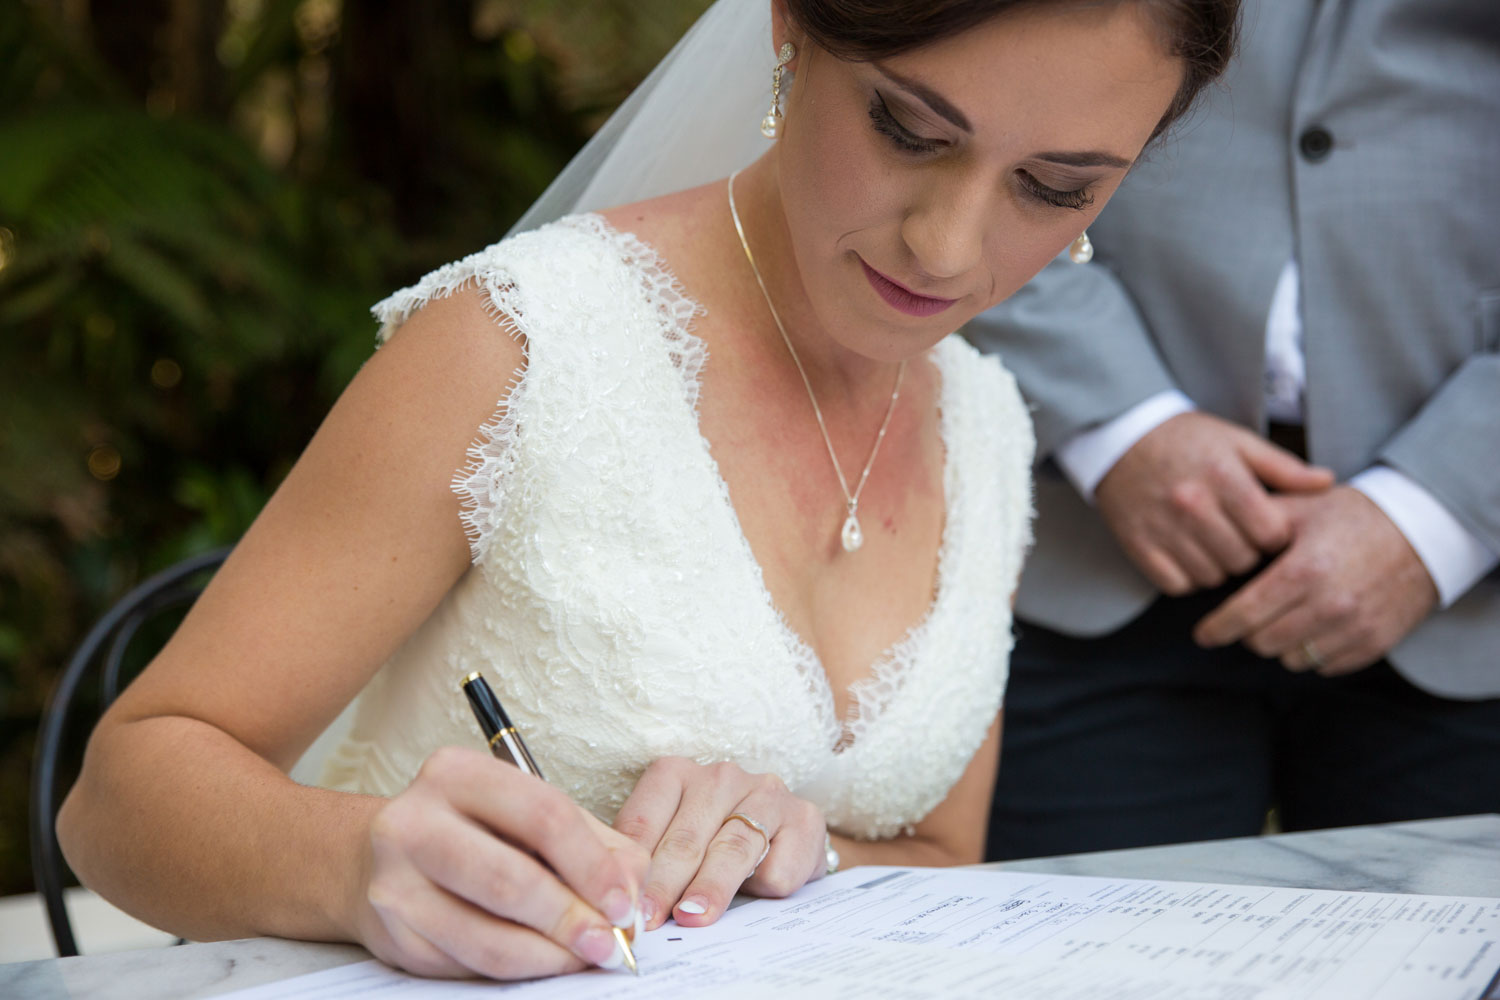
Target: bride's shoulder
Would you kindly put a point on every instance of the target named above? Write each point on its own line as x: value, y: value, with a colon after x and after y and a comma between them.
x: 672, y: 224
x: 682, y: 232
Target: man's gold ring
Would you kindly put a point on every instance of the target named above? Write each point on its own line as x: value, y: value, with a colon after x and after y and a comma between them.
x: 758, y: 829
x: 1313, y: 656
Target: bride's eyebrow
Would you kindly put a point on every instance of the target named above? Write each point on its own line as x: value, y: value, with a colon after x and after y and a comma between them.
x: 937, y: 102
x: 1089, y: 159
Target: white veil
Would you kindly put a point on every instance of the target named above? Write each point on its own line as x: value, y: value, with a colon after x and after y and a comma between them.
x: 695, y: 118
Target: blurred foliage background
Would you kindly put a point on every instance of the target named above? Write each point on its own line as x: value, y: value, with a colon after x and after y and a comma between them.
x: 199, y: 201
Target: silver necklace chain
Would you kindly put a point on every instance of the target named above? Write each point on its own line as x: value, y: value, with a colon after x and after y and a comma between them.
x: 852, y: 536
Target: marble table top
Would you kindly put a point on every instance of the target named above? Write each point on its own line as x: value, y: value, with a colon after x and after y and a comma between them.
x: 1444, y: 857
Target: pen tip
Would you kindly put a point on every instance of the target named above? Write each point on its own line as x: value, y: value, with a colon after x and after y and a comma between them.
x: 625, y: 948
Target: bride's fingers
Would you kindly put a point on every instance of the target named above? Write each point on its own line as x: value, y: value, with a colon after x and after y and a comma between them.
x: 427, y: 930
x: 798, y: 852
x: 704, y: 795
x: 540, y: 818
x: 732, y: 854
x: 652, y: 809
x: 399, y: 946
x: 472, y: 864
x: 653, y: 802
x: 483, y: 944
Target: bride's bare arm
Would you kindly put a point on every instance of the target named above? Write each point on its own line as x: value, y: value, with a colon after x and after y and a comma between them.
x: 184, y: 814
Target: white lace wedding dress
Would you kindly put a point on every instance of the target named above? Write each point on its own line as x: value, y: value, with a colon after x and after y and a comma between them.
x: 613, y: 600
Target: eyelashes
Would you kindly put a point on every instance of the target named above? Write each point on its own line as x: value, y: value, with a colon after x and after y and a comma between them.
x: 1079, y: 199
x: 908, y: 141
x: 887, y: 125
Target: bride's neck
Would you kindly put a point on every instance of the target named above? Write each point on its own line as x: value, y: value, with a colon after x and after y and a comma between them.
x: 835, y: 371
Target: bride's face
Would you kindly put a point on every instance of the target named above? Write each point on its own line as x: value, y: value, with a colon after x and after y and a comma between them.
x: 923, y: 188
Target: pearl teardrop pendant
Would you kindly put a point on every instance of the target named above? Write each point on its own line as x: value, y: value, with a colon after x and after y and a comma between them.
x: 852, y: 536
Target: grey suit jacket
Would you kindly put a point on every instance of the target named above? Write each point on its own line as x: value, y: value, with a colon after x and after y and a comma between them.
x: 1396, y: 227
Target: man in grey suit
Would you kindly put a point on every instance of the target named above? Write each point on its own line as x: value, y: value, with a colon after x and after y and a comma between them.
x: 1209, y: 624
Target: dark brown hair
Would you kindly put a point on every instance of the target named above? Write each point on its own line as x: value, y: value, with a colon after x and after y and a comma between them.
x: 1202, y: 33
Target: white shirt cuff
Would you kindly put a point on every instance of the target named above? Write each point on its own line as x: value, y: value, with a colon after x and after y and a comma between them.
x: 1453, y: 557
x: 1088, y: 456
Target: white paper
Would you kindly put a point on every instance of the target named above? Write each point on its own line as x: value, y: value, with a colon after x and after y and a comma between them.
x: 950, y: 934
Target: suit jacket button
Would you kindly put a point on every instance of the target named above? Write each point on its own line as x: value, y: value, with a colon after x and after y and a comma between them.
x: 1316, y: 143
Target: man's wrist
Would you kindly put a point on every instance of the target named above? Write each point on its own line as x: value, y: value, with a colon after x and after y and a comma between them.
x: 1452, y: 556
x: 1087, y: 457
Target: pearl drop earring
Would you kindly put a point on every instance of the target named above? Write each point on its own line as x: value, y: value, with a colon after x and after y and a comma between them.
x: 770, y: 125
x: 1081, y: 251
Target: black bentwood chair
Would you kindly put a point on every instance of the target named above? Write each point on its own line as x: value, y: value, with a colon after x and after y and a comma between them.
x: 172, y: 588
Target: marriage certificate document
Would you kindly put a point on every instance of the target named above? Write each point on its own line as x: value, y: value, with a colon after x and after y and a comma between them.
x: 956, y: 934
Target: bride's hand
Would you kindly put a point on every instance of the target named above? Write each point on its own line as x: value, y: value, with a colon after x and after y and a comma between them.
x: 479, y: 869
x: 680, y: 812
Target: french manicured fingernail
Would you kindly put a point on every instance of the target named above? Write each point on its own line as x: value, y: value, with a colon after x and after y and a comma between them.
x: 640, y: 924
x: 692, y: 906
x: 619, y: 909
x: 599, y: 946
x: 648, y: 909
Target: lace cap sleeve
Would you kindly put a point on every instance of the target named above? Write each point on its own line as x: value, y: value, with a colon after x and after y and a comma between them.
x: 479, y: 483
x: 581, y: 298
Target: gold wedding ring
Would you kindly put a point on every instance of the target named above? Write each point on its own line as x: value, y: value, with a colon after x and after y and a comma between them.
x: 1313, y: 656
x: 758, y: 829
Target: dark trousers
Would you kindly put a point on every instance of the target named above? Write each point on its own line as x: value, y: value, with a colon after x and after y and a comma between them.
x: 1140, y: 737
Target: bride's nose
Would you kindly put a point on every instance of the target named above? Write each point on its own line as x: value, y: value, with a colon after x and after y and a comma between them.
x: 945, y: 229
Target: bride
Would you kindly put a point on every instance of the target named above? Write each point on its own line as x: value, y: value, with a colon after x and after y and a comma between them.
x: 734, y: 529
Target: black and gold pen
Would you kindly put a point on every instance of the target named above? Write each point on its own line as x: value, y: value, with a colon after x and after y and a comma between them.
x: 506, y: 744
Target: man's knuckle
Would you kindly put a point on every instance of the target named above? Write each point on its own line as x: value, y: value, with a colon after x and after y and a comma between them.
x: 1342, y: 606
x: 1186, y: 497
x: 1319, y: 565
x: 1301, y: 572
x: 1269, y: 533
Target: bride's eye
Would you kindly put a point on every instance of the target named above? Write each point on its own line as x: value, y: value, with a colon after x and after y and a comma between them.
x: 901, y: 136
x: 1080, y: 199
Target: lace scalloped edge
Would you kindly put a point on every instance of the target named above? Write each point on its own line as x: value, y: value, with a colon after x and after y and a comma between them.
x: 675, y: 309
x: 491, y: 453
x: 477, y: 482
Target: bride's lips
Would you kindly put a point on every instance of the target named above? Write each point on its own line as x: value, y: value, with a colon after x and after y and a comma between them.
x: 901, y: 298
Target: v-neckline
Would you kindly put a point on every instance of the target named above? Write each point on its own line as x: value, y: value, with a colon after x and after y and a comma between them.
x: 890, y: 667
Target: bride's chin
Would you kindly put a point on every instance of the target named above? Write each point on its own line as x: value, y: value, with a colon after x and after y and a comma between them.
x: 898, y: 345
